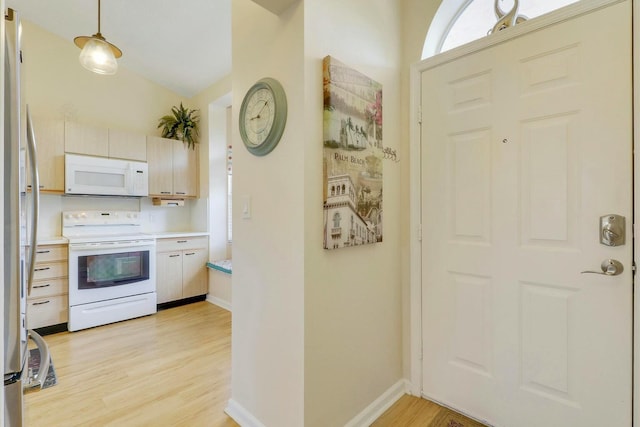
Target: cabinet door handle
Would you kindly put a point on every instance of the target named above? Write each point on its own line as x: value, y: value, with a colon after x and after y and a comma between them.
x: 43, y: 269
x: 182, y: 241
x: 173, y: 256
x: 42, y: 286
x: 180, y: 192
x: 165, y: 192
x: 41, y: 302
x: 42, y: 252
x: 191, y: 253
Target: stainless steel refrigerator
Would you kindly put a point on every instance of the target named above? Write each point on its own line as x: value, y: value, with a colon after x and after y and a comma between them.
x: 20, y: 212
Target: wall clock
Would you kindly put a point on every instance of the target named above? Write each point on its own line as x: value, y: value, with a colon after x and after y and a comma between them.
x: 263, y: 116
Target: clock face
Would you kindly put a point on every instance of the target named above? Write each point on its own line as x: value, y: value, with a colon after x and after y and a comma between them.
x: 263, y: 116
x: 259, y: 116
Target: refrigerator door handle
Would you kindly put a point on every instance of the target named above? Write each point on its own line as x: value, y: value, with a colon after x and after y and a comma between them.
x: 36, y: 382
x: 35, y: 181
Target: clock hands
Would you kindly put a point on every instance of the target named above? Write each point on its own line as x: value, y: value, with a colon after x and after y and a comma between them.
x: 259, y: 112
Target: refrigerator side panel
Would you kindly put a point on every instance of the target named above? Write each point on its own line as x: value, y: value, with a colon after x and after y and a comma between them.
x: 2, y: 73
x: 12, y: 400
x: 13, y: 268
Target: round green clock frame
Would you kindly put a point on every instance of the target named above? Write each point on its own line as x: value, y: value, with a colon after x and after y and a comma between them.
x: 263, y: 116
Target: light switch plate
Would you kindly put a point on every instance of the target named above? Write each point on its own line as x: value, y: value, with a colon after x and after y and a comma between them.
x: 245, y: 207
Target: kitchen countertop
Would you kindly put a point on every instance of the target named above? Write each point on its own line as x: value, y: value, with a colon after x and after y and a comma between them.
x: 52, y: 240
x: 59, y: 240
x: 173, y: 234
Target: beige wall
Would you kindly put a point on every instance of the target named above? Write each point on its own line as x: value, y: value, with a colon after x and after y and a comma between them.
x: 268, y: 249
x: 353, y: 307
x: 213, y: 103
x: 56, y: 85
x: 349, y: 301
x: 210, y: 210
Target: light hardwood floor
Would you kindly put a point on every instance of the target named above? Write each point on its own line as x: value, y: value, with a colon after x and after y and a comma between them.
x: 169, y: 369
x: 411, y: 411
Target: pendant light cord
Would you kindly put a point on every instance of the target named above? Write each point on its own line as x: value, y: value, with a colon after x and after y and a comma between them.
x: 98, y: 16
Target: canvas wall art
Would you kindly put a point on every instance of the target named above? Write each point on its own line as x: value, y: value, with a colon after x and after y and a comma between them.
x: 353, y: 154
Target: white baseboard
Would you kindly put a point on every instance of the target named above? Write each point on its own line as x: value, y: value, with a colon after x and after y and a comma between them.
x: 241, y: 415
x: 219, y: 302
x: 363, y: 419
x: 380, y: 405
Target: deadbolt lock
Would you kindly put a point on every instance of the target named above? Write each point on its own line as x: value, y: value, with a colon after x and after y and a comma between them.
x: 612, y: 230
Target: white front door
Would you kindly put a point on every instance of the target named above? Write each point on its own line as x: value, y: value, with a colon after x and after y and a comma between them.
x: 525, y: 145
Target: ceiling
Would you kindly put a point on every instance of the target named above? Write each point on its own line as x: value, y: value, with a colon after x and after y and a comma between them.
x: 184, y: 46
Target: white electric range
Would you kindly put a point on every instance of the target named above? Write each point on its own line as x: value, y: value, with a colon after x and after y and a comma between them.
x: 111, y: 267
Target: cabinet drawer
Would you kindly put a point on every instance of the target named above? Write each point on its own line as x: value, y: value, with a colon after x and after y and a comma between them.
x: 47, y: 288
x: 50, y: 270
x: 52, y: 253
x: 47, y: 311
x: 178, y: 244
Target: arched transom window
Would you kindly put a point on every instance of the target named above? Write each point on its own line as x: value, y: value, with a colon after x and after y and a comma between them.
x: 458, y: 22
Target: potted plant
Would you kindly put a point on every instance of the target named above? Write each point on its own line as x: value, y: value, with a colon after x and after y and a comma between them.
x: 182, y: 125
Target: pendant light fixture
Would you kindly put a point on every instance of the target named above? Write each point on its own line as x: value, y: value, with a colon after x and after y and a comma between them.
x: 98, y: 55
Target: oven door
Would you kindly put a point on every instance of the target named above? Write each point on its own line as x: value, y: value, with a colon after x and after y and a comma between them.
x: 101, y: 271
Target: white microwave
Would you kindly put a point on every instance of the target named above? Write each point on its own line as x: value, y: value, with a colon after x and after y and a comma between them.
x: 105, y: 177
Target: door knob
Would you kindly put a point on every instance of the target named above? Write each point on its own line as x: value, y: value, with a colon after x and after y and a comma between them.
x: 609, y: 267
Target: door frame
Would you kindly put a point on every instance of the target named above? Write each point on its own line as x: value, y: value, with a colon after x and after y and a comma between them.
x: 415, y: 177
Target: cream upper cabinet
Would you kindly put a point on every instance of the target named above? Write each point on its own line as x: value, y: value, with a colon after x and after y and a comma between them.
x: 80, y: 138
x: 86, y: 139
x: 49, y: 135
x: 160, y: 163
x: 185, y: 170
x: 173, y: 168
x: 127, y: 145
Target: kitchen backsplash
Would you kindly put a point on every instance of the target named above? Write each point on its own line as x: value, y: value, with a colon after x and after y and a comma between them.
x: 155, y: 218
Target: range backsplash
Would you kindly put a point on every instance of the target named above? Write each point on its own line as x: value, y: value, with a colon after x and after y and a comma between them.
x: 191, y: 216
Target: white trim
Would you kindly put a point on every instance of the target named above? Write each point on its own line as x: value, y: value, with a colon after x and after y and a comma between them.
x: 635, y: 5
x: 415, y: 185
x: 219, y: 302
x: 380, y: 405
x: 415, y: 254
x: 443, y: 20
x: 241, y: 415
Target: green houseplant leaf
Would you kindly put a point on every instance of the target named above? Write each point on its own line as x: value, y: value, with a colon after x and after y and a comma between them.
x: 182, y: 125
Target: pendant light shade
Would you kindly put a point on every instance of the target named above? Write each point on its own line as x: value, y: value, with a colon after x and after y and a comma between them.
x: 98, y: 55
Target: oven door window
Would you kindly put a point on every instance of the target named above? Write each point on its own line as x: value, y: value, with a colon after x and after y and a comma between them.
x: 100, y: 271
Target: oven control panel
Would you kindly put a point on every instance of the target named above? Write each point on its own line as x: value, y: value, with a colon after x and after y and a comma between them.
x: 109, y: 218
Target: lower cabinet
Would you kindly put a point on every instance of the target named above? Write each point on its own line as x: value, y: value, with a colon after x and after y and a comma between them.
x: 181, y: 268
x: 48, y: 302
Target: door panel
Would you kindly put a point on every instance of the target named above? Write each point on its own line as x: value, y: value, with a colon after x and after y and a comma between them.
x: 524, y: 146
